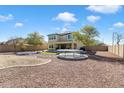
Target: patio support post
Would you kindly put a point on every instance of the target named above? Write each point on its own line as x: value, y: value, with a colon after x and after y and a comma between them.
x: 59, y: 46
x: 72, y: 46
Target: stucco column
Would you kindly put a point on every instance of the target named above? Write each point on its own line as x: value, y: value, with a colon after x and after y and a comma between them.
x: 54, y: 46
x: 72, y: 45
x: 59, y: 46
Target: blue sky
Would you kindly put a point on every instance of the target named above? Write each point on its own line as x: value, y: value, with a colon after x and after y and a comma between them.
x: 18, y: 21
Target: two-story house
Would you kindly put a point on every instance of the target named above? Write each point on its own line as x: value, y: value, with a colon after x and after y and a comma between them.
x: 61, y: 41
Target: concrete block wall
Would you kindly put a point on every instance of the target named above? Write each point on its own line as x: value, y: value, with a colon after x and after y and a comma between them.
x: 10, y: 48
x: 96, y: 48
x: 117, y: 50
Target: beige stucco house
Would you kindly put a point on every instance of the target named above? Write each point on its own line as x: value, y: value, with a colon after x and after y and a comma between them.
x: 62, y: 41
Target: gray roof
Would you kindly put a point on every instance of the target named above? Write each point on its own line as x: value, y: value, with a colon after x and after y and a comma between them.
x: 64, y: 33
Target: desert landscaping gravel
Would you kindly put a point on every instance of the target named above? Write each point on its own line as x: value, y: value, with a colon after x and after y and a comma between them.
x: 7, y: 61
x: 100, y: 70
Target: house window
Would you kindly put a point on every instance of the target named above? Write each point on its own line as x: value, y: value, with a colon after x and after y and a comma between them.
x: 49, y: 37
x: 52, y: 37
x: 69, y: 36
x: 50, y: 46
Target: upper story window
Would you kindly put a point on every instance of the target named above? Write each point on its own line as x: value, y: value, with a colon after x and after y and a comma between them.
x: 52, y: 37
x: 69, y: 36
x: 50, y: 46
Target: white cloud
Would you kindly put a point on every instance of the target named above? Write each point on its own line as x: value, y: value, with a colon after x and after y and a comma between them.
x: 106, y: 9
x: 4, y: 18
x: 93, y: 18
x: 64, y: 29
x: 66, y: 17
x: 118, y: 24
x: 18, y: 24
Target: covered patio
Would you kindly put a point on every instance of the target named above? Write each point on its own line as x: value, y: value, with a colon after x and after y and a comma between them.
x: 63, y: 45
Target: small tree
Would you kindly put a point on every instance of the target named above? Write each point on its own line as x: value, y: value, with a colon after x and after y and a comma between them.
x: 34, y: 39
x: 100, y: 43
x: 119, y: 38
x: 86, y: 35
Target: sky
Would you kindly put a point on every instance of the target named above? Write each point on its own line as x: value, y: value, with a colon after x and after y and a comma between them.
x: 19, y: 21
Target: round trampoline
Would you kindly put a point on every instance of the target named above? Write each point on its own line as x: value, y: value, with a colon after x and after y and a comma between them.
x: 71, y: 54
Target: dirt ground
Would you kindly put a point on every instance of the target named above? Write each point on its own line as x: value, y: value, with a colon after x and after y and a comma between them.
x: 7, y: 61
x: 100, y: 70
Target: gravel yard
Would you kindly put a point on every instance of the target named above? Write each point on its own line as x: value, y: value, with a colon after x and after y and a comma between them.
x: 100, y: 70
x: 7, y: 61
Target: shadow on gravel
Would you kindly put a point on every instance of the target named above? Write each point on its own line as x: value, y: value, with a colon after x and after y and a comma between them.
x: 107, y: 59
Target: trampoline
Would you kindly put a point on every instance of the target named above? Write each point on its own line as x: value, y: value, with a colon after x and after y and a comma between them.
x: 71, y: 54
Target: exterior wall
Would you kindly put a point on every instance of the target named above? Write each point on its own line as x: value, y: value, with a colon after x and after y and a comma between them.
x: 117, y: 50
x: 60, y: 39
x: 55, y: 40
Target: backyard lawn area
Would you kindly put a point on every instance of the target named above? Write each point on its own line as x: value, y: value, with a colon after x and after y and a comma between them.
x: 48, y: 53
x: 101, y: 70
